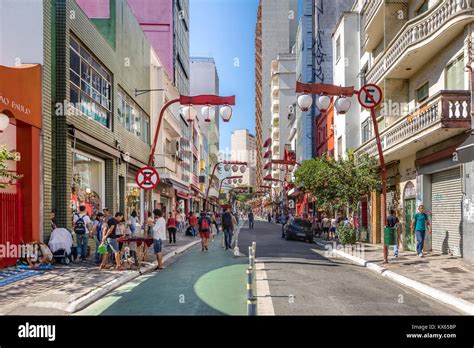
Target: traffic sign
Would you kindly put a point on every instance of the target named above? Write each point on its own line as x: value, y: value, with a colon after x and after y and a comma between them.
x: 370, y: 96
x: 147, y: 178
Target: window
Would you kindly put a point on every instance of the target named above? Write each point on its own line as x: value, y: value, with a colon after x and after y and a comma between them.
x: 339, y: 148
x: 132, y: 118
x: 455, y: 74
x: 365, y: 127
x: 90, y: 84
x: 422, y: 93
x: 338, y: 48
x: 422, y: 8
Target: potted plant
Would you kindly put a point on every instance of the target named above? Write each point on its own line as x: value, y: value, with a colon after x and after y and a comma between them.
x: 346, y: 234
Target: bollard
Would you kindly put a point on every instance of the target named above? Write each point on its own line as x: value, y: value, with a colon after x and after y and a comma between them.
x: 254, y: 247
x: 251, y: 259
x: 252, y: 307
x: 249, y: 283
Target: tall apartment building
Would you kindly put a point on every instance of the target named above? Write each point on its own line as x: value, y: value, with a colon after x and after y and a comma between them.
x: 166, y: 25
x: 277, y: 22
x: 243, y: 148
x: 417, y: 52
x: 205, y: 80
x: 282, y: 97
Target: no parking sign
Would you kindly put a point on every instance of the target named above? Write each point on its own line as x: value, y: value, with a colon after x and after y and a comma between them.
x: 147, y: 178
x: 370, y: 96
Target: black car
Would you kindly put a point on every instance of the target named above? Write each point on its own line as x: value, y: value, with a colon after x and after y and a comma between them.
x: 298, y: 228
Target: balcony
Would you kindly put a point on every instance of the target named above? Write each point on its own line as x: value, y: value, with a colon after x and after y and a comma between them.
x: 446, y: 114
x: 370, y: 9
x: 195, y: 181
x: 373, y: 23
x: 424, y: 35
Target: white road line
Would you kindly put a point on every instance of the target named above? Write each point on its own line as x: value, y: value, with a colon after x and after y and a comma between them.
x: 264, y: 300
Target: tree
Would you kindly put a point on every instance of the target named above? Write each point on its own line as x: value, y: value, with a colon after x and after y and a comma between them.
x: 6, y: 155
x: 337, y: 184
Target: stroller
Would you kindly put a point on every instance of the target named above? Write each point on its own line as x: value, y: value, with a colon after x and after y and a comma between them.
x: 60, y: 244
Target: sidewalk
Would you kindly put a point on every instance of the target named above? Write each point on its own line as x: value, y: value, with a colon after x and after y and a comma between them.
x: 67, y: 289
x: 446, y: 278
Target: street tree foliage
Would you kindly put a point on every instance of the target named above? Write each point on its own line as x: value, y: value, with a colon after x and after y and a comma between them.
x: 339, y: 184
x: 5, y: 175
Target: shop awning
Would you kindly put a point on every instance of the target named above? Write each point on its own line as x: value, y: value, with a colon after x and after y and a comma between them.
x: 182, y: 194
x: 465, y: 151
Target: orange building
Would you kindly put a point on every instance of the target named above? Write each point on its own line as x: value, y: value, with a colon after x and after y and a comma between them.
x: 20, y: 100
x: 324, y: 132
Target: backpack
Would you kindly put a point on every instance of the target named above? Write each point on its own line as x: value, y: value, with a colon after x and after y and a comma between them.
x: 204, y: 224
x: 80, y: 225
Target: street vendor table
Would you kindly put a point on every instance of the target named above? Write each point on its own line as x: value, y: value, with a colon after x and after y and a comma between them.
x: 141, y: 252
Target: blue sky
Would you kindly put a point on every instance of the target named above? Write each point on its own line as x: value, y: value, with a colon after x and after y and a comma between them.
x: 225, y: 30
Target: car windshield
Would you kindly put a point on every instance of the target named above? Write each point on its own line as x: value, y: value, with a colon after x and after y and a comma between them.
x: 302, y: 222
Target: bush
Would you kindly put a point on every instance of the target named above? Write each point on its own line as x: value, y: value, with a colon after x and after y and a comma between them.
x: 346, y: 234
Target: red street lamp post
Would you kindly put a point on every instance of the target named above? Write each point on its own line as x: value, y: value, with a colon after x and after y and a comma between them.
x: 225, y: 163
x: 369, y: 96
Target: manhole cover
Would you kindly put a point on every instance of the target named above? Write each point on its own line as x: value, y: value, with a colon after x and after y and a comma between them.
x: 454, y: 270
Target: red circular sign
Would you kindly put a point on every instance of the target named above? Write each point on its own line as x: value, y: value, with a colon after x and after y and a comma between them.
x: 370, y: 96
x: 147, y: 178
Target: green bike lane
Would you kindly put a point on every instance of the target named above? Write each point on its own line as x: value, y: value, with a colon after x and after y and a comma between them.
x: 195, y: 283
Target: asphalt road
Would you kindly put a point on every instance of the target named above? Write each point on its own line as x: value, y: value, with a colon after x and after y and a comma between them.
x: 303, y: 281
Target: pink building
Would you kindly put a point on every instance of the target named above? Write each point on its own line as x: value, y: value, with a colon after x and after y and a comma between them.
x: 154, y: 16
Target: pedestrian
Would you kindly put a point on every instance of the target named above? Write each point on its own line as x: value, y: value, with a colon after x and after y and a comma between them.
x: 193, y: 222
x: 133, y: 221
x: 251, y: 219
x: 106, y: 213
x: 392, y: 221
x: 149, y: 225
x: 227, y: 227
x: 97, y: 234
x: 234, y: 224
x: 121, y: 231
x: 419, y: 224
x: 283, y: 223
x: 179, y: 221
x: 333, y: 228
x: 53, y: 220
x: 110, y: 239
x: 171, y: 225
x: 204, y: 230
x: 214, y: 226
x: 326, y: 224
x: 159, y: 235
x: 82, y: 228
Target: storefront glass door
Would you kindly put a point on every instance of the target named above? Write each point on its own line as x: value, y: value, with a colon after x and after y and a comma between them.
x: 410, y: 209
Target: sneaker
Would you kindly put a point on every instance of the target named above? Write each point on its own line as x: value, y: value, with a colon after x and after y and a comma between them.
x: 420, y: 255
x: 396, y: 256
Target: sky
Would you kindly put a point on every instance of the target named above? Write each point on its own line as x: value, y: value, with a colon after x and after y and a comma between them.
x: 225, y: 31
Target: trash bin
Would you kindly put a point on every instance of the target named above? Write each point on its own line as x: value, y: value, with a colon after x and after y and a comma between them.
x: 390, y: 236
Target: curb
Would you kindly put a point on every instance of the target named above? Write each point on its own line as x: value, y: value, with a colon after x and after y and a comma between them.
x: 441, y: 296
x: 94, y: 295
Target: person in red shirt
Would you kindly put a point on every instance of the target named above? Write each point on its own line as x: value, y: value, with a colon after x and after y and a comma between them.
x: 171, y: 225
x: 193, y: 223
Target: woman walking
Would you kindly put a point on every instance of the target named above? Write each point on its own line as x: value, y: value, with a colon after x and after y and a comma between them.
x: 193, y: 223
x: 171, y: 225
x: 133, y: 222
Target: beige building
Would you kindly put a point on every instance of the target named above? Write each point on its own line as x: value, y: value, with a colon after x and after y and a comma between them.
x: 243, y: 148
x: 417, y: 53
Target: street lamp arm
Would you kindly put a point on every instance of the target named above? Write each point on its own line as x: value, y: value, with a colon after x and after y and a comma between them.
x: 207, y: 100
x: 327, y: 89
x: 157, y: 130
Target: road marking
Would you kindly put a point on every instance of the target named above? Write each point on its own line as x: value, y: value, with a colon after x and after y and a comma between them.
x: 264, y: 299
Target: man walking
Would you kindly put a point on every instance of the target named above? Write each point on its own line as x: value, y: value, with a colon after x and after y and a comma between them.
x: 283, y: 221
x: 419, y: 224
x: 83, y: 229
x: 204, y: 224
x: 392, y: 221
x: 251, y: 217
x: 227, y: 227
x: 326, y: 224
x: 159, y: 235
x: 193, y: 223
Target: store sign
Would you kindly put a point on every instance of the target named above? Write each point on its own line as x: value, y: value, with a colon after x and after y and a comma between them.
x: 20, y: 93
x: 147, y: 178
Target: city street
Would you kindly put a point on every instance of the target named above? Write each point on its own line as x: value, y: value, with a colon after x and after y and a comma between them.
x: 301, y: 279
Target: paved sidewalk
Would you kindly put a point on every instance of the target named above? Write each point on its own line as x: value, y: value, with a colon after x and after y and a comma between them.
x: 58, y: 292
x: 451, y: 275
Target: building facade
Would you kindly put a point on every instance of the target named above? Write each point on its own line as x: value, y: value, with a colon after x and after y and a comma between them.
x: 243, y: 148
x: 424, y: 116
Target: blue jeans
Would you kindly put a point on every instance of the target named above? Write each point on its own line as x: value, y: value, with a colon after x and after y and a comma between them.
x: 97, y: 255
x: 82, y: 240
x: 193, y: 230
x: 420, y: 240
x: 228, y: 237
x: 395, y: 249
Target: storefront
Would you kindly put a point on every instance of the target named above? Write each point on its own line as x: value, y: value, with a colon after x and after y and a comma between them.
x: 134, y: 195
x: 88, y: 183
x: 20, y: 101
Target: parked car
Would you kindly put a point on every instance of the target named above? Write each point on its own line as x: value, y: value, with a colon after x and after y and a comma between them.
x: 298, y: 228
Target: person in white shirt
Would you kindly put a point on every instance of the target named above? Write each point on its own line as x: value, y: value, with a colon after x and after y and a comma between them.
x: 333, y: 228
x: 159, y: 235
